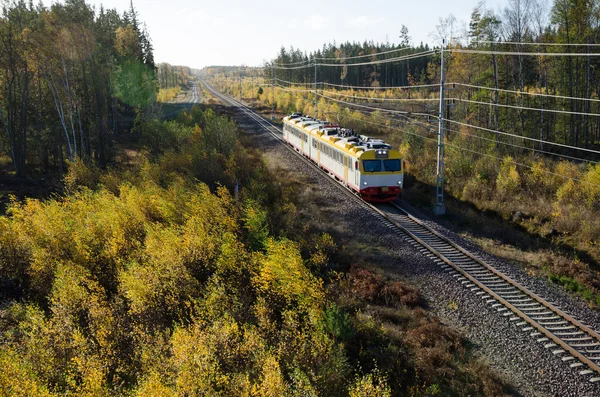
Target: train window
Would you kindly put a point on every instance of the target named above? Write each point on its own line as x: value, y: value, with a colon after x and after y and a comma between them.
x: 372, y: 165
x: 391, y: 165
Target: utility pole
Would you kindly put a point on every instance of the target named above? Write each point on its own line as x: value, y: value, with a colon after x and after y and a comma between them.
x: 240, y: 84
x: 272, y: 91
x: 440, y: 207
x: 316, y: 103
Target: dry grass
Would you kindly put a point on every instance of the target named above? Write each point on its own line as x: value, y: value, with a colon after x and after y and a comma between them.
x: 421, y: 356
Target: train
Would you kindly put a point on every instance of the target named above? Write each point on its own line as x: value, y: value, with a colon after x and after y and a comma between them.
x: 368, y: 166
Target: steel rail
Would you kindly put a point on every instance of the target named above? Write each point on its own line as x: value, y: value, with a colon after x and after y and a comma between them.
x: 564, y: 331
x: 524, y: 292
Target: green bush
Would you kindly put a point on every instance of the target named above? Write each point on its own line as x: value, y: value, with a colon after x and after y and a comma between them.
x: 338, y: 323
x: 255, y: 223
x: 161, y: 136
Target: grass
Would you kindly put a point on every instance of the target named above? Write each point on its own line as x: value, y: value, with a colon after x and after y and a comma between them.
x: 577, y: 288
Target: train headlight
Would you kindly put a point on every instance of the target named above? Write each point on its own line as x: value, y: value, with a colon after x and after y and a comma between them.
x: 365, y: 183
x: 399, y: 182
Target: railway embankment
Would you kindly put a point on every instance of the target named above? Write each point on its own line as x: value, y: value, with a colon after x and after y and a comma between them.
x: 533, y: 369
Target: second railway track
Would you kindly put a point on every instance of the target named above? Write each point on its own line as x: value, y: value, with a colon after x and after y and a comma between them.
x: 572, y: 341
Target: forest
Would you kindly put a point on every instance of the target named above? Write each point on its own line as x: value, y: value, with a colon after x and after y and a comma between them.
x: 72, y: 78
x: 172, y: 261
x: 521, y: 116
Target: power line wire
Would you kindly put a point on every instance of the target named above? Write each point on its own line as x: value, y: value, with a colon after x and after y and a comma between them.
x: 365, y: 56
x: 310, y: 65
x: 537, y: 44
x: 522, y: 147
x: 380, y: 109
x: 292, y: 83
x: 551, y: 54
x: 524, y: 137
x: 523, y: 92
x: 292, y: 89
x: 378, y: 62
x: 381, y: 88
x: 293, y: 63
x: 527, y: 108
x: 344, y: 58
x: 385, y: 99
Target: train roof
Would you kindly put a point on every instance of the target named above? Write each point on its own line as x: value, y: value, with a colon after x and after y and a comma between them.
x: 344, y: 138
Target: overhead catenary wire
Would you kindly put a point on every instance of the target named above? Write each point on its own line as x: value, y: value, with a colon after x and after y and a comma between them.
x: 527, y: 108
x: 402, y: 87
x: 376, y: 54
x: 293, y: 63
x: 380, y: 61
x: 376, y: 62
x: 366, y: 55
x: 524, y: 137
x: 293, y: 83
x: 522, y: 53
x: 384, y: 99
x: 392, y: 111
x: 310, y: 65
x: 536, y: 44
x: 532, y: 149
x: 523, y: 92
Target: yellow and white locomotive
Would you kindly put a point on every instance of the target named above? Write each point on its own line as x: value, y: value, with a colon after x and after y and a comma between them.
x: 368, y: 166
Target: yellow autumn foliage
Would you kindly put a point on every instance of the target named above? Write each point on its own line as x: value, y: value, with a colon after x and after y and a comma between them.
x: 17, y: 377
x: 282, y: 275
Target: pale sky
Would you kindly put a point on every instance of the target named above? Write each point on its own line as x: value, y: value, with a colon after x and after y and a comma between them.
x: 233, y: 32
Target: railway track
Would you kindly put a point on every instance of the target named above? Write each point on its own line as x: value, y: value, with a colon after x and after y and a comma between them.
x: 572, y: 341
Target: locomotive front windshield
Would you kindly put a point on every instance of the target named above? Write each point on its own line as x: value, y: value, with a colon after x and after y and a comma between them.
x: 391, y: 165
x: 372, y: 165
x: 388, y: 165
